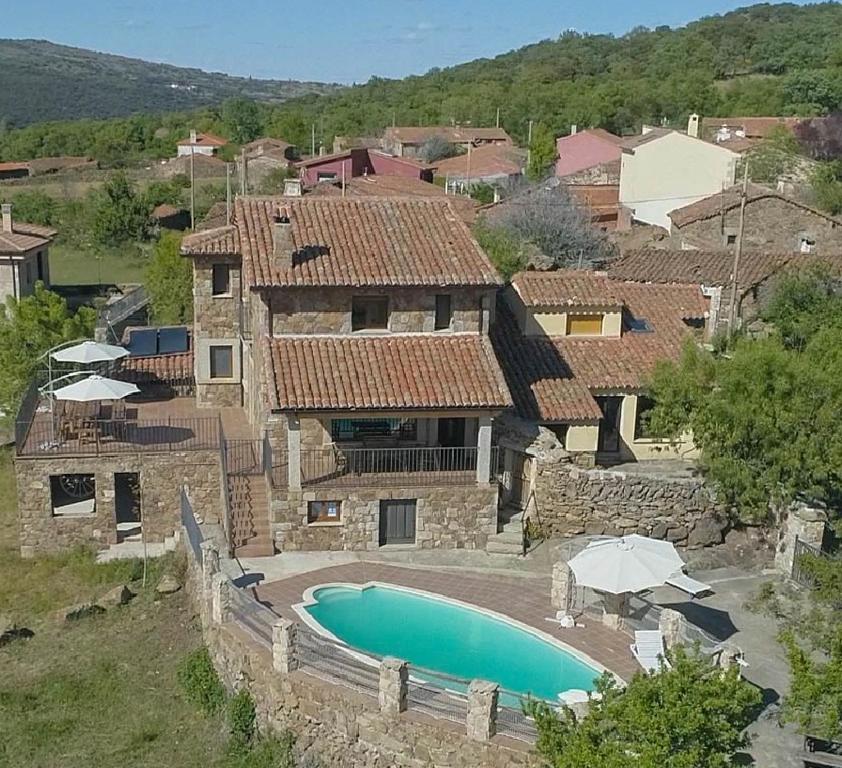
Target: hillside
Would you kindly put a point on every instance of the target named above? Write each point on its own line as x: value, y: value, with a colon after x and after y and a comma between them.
x: 765, y: 59
x: 42, y: 81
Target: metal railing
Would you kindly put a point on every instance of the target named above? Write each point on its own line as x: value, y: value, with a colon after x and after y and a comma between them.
x: 123, y: 308
x: 252, y: 615
x: 513, y: 722
x: 47, y: 435
x: 332, y: 662
x: 225, y: 491
x: 437, y: 695
x: 340, y: 467
x: 26, y: 413
x: 245, y: 457
x: 194, y: 533
x: 801, y: 551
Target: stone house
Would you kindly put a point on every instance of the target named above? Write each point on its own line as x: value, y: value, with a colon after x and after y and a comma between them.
x: 24, y: 255
x: 206, y: 144
x: 577, y: 348
x: 407, y: 141
x: 773, y: 221
x: 360, y: 163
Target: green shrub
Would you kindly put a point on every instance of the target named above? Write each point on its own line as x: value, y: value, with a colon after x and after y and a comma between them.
x: 241, y: 717
x: 200, y: 682
x: 274, y: 752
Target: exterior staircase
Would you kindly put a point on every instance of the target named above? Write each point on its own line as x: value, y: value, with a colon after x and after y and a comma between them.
x: 509, y: 537
x: 249, y: 502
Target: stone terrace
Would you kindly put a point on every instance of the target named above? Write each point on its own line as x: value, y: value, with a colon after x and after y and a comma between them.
x: 525, y: 600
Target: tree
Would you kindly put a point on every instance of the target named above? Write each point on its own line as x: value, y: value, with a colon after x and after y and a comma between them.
x: 826, y: 183
x: 169, y: 280
x: 242, y: 120
x: 438, y: 148
x: 28, y: 328
x: 542, y: 152
x: 35, y: 207
x: 503, y: 248
x: 776, y: 157
x: 120, y: 214
x: 692, y: 715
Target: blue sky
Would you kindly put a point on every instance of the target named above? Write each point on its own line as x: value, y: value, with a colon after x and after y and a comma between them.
x: 332, y: 40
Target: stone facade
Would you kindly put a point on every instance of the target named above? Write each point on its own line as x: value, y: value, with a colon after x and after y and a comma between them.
x: 447, y: 517
x: 770, y: 223
x: 570, y: 501
x: 161, y: 480
x: 411, y: 310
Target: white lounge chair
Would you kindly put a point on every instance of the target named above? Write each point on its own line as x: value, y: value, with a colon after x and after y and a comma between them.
x: 648, y: 649
x: 692, y: 587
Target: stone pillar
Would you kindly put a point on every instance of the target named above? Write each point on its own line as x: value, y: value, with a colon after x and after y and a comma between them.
x: 673, y: 627
x: 801, y: 522
x: 729, y: 656
x: 284, y: 634
x: 561, y: 591
x: 394, y: 675
x: 484, y: 450
x: 615, y: 609
x: 210, y: 564
x: 482, y: 710
x: 294, y: 451
x: 221, y: 591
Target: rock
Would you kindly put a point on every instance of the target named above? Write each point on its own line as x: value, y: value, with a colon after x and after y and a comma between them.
x: 659, y: 531
x: 707, y: 532
x: 79, y: 611
x: 167, y: 585
x: 120, y: 595
x: 677, y: 534
x: 9, y: 631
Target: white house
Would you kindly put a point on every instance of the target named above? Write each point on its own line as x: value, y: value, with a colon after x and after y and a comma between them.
x: 200, y: 144
x: 662, y: 170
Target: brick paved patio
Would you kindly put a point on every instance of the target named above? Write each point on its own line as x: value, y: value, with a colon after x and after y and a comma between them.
x: 524, y: 599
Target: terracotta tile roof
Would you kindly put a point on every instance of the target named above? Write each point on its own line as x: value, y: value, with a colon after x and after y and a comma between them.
x: 566, y: 288
x: 601, y: 133
x: 215, y: 217
x: 157, y: 368
x: 41, y: 165
x: 379, y: 186
x: 485, y: 161
x: 359, y: 242
x: 220, y: 241
x: 596, y: 196
x: 630, y: 142
x: 709, y: 268
x: 204, y: 140
x: 452, y: 134
x: 265, y: 144
x: 14, y: 166
x: 24, y: 237
x: 383, y: 373
x: 754, y: 127
x: 555, y: 378
x: 729, y: 199
x: 165, y: 210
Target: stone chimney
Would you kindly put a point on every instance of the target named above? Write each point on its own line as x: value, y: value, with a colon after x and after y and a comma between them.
x: 7, y: 217
x: 574, y: 129
x: 693, y: 126
x: 292, y: 188
x: 282, y: 248
x: 193, y: 137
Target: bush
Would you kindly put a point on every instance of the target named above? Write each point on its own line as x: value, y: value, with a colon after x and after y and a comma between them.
x: 275, y: 752
x: 200, y: 682
x: 241, y: 717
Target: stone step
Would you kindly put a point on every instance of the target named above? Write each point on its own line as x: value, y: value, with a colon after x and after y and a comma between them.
x: 494, y: 547
x: 513, y: 536
x: 256, y: 548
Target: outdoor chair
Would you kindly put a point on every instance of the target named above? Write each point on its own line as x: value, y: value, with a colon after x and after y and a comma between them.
x: 692, y: 587
x: 648, y: 649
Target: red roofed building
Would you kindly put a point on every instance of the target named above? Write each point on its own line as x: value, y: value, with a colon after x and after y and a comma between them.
x: 201, y: 144
x: 355, y: 163
x: 589, y: 157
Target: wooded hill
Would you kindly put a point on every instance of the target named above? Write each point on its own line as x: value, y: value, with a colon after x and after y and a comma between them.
x: 42, y: 81
x: 765, y: 59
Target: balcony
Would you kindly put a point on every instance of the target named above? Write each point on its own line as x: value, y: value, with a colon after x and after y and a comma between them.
x: 340, y: 467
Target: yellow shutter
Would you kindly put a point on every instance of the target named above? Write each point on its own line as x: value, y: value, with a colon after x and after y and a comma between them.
x: 584, y: 325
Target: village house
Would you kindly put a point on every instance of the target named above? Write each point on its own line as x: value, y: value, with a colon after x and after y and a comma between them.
x: 407, y: 141
x: 24, y: 256
x: 200, y: 144
x: 577, y: 348
x: 263, y: 157
x: 13, y: 171
x: 591, y: 156
x: 773, y: 221
x: 662, y: 170
x: 739, y: 134
x: 360, y: 162
x: 500, y: 166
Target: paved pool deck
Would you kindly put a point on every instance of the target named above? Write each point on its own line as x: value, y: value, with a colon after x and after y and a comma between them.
x: 524, y: 600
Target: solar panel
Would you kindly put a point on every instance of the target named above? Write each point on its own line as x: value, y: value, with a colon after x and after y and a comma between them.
x: 172, y: 340
x: 143, y: 343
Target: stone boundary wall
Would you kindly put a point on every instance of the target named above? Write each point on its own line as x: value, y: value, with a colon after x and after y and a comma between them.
x: 569, y: 501
x: 334, y: 724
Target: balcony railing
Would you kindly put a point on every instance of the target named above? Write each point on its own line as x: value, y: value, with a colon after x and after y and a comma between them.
x: 339, y: 467
x: 48, y: 436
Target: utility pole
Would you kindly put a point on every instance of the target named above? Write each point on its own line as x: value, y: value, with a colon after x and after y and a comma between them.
x: 227, y: 193
x: 244, y: 182
x: 468, y: 171
x: 498, y: 117
x: 343, y: 178
x: 529, y: 146
x: 192, y: 189
x: 738, y: 252
x: 313, y: 140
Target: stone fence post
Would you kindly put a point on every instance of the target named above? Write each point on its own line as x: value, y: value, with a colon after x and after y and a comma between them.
x: 210, y: 564
x: 801, y: 522
x: 673, y: 627
x: 561, y: 591
x: 482, y: 710
x: 221, y: 598
x: 394, y: 677
x: 284, y: 635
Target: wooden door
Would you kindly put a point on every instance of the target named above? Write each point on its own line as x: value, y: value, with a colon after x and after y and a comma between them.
x: 397, y: 521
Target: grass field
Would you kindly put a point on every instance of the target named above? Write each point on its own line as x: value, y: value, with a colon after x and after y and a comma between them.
x: 72, y: 266
x: 100, y: 692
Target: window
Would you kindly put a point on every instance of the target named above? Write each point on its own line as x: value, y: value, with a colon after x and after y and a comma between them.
x: 222, y: 362
x: 40, y: 260
x: 730, y: 239
x: 444, y: 312
x: 361, y: 429
x: 73, y: 495
x: 642, y: 417
x: 325, y: 176
x: 221, y: 280
x: 324, y: 511
x: 584, y: 325
x: 369, y: 312
x: 560, y: 431
x: 638, y: 325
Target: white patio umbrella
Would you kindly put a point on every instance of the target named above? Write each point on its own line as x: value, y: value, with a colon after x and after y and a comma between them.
x: 89, y: 352
x: 627, y: 564
x: 96, y: 388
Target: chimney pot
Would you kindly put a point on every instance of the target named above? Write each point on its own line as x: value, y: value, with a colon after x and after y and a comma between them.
x: 282, y: 247
x: 192, y: 137
x: 7, y: 217
x: 574, y: 129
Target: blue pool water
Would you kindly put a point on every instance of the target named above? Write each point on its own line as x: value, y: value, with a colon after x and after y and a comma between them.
x: 444, y: 637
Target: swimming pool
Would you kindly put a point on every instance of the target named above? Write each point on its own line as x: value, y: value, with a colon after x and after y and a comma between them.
x: 446, y: 636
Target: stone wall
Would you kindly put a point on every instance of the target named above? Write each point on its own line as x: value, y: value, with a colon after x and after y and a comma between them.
x: 448, y: 517
x: 161, y: 479
x: 570, y: 501
x: 219, y: 395
x: 769, y: 223
x: 411, y: 310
